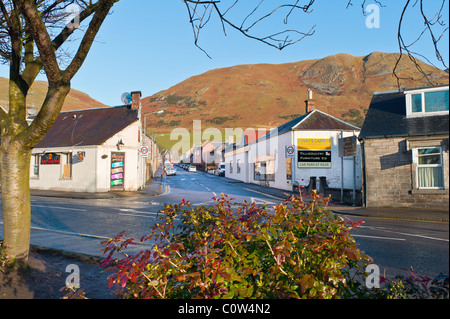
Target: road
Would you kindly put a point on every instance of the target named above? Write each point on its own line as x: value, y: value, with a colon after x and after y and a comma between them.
x: 80, y: 225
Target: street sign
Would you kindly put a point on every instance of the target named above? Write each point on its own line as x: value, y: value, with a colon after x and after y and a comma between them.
x: 144, y: 151
x: 348, y: 145
x: 290, y: 151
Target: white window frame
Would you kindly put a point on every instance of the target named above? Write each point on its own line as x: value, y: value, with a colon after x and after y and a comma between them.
x: 409, y: 94
x: 416, y: 161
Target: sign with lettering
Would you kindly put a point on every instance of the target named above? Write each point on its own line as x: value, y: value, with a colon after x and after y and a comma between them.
x: 117, y: 170
x: 348, y: 146
x: 314, y: 159
x: 50, y: 158
x: 317, y: 144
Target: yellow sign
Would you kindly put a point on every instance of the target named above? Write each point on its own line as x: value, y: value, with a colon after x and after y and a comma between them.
x: 314, y: 144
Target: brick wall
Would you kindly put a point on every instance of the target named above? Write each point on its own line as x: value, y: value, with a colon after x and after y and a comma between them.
x: 390, y: 175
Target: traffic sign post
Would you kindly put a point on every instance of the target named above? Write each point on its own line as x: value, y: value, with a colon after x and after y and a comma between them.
x: 290, y: 151
x: 144, y: 151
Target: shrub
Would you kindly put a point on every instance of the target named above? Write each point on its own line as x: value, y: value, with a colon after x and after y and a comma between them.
x: 297, y: 249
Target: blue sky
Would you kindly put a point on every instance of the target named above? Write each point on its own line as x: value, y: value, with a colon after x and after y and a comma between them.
x: 148, y: 45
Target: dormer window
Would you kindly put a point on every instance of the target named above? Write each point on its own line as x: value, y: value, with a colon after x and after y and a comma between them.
x: 425, y: 102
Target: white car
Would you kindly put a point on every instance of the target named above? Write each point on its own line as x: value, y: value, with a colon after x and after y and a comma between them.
x: 171, y: 171
x: 192, y: 168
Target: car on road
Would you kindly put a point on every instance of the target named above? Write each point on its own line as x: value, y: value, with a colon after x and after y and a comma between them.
x: 192, y: 168
x: 170, y: 170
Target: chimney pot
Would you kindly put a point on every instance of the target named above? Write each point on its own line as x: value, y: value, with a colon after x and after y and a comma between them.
x: 310, y: 103
x: 136, y: 100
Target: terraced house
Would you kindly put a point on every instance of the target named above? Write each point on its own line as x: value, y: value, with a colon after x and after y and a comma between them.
x: 405, y: 149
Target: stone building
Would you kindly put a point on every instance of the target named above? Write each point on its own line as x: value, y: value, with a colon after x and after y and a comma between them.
x: 405, y: 149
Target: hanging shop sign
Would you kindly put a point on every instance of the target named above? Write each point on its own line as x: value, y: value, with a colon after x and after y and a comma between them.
x: 50, y: 158
x: 117, y: 170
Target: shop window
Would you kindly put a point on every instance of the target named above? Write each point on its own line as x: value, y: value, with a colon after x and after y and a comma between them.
x: 429, y: 171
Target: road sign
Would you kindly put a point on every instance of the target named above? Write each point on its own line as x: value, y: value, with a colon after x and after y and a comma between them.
x: 348, y: 145
x: 144, y: 151
x: 290, y: 151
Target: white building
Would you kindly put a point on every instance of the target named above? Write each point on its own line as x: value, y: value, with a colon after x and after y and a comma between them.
x: 314, y: 160
x: 94, y: 150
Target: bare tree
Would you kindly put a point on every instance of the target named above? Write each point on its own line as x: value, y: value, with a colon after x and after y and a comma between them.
x: 432, y: 15
x: 32, y: 33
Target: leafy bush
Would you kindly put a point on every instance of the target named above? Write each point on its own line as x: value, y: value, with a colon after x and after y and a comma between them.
x: 297, y: 249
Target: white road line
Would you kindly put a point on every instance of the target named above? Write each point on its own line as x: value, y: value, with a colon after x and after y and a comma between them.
x: 378, y: 237
x: 64, y: 208
x: 252, y: 190
x: 405, y: 234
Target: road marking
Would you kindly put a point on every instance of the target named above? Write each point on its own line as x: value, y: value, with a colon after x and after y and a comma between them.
x: 406, y: 234
x: 260, y: 201
x: 378, y: 237
x: 64, y: 208
x: 252, y: 190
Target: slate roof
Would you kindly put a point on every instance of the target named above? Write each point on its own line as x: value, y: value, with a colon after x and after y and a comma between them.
x: 88, y: 127
x: 314, y: 120
x: 386, y: 117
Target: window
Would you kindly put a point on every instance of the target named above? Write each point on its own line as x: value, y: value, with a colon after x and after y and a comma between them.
x: 231, y: 167
x: 238, y: 166
x: 429, y: 168
x: 264, y: 171
x: 427, y: 102
x: 67, y: 166
x: 36, y: 158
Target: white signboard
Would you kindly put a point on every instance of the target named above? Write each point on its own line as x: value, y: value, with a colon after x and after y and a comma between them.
x: 290, y: 151
x: 144, y: 151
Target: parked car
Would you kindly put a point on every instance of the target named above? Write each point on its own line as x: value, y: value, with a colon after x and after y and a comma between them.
x: 192, y: 168
x: 170, y: 169
x: 221, y: 169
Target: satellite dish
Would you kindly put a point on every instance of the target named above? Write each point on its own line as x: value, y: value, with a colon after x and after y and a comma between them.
x: 126, y: 98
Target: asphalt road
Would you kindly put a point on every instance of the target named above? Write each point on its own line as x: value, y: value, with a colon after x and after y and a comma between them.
x: 79, y: 225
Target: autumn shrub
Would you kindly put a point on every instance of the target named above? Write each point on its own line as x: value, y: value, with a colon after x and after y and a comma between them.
x: 297, y: 249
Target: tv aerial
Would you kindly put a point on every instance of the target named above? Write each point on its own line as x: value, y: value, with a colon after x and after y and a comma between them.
x: 126, y: 98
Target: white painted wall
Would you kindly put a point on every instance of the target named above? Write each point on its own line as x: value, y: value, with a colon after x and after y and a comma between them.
x: 275, y: 148
x: 93, y: 174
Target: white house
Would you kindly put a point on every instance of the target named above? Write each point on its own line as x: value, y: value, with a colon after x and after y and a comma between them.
x: 93, y: 150
x: 305, y: 150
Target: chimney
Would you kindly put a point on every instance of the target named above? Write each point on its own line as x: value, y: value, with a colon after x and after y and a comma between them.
x: 136, y: 100
x: 310, y: 102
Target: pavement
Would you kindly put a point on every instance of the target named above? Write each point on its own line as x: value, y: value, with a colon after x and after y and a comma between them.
x: 157, y: 186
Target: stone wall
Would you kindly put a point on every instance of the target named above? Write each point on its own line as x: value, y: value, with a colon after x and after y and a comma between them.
x: 390, y: 175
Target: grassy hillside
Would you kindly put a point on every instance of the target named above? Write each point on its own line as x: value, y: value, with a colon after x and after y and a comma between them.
x: 75, y: 100
x: 268, y: 95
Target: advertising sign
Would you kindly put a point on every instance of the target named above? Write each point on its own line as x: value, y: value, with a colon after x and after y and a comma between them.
x: 317, y: 144
x: 117, y: 170
x: 50, y: 158
x: 314, y: 159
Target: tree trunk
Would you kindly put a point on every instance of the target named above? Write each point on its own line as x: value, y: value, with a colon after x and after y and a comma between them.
x: 15, y: 167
